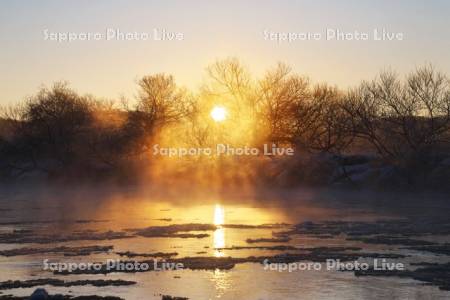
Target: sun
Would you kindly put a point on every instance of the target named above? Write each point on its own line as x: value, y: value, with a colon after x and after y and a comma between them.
x: 219, y: 113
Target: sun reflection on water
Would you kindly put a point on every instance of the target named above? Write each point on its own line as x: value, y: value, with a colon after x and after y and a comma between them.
x: 219, y: 215
x: 219, y: 277
x: 219, y: 233
x: 222, y: 281
x: 219, y: 241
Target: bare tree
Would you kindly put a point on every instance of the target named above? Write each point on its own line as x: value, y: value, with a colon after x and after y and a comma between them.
x: 328, y: 131
x: 402, y: 118
x: 282, y: 99
x: 161, y: 100
x: 53, y: 121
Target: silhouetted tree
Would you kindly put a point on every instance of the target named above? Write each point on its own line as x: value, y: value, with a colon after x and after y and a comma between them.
x: 51, y: 125
x: 402, y: 118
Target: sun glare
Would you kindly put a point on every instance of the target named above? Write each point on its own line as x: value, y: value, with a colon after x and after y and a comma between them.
x: 219, y: 113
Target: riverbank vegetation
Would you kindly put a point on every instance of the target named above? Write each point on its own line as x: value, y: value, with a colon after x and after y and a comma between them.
x: 390, y: 131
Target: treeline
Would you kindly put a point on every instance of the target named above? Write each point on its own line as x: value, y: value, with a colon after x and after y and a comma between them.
x: 63, y: 134
x: 402, y: 122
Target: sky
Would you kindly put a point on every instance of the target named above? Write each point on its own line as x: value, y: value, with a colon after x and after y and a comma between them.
x: 211, y: 30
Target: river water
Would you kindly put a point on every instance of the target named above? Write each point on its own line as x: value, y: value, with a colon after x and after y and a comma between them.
x: 54, y: 212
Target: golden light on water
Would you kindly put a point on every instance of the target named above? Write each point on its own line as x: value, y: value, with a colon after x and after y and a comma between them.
x: 219, y: 113
x: 219, y: 217
x: 219, y: 233
x: 219, y: 241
